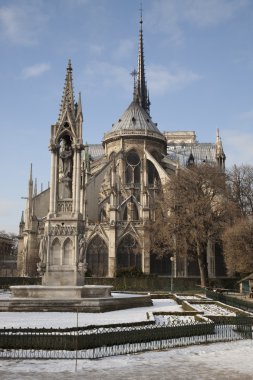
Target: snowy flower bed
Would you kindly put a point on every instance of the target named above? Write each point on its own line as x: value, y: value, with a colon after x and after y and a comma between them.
x: 174, y: 320
x: 213, y: 309
x: 187, y: 297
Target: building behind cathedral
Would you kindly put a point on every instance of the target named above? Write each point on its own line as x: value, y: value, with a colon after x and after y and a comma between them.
x: 101, y: 196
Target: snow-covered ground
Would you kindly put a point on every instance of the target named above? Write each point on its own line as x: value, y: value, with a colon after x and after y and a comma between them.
x: 44, y: 319
x: 233, y: 360
x: 218, y: 361
x: 213, y: 309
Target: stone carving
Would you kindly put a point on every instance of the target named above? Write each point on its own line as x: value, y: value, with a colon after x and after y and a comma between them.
x: 105, y: 188
x: 82, y: 247
x: 43, y: 249
x: 81, y: 262
x: 64, y: 206
x: 41, y: 266
x: 65, y: 169
x: 65, y: 154
x: 59, y: 230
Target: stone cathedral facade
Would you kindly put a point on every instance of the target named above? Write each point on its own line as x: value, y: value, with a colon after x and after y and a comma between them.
x: 96, y: 212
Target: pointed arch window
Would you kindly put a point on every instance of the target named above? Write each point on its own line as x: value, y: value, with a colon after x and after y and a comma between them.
x: 129, y: 253
x: 133, y: 168
x: 131, y: 211
x: 153, y: 176
x: 67, y: 252
x: 97, y: 257
x: 56, y: 253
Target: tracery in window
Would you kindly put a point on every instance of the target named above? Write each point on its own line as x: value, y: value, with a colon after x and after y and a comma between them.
x: 129, y: 253
x: 133, y: 168
x: 97, y: 257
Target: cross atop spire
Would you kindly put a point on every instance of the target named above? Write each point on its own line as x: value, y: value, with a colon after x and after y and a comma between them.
x: 68, y: 95
x: 140, y: 91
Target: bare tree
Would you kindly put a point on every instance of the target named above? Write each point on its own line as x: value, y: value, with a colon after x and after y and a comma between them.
x: 194, y: 207
x: 238, y: 246
x: 240, y: 179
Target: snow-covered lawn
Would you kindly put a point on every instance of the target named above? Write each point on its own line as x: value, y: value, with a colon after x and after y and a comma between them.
x: 217, y: 361
x: 233, y: 360
x: 50, y: 319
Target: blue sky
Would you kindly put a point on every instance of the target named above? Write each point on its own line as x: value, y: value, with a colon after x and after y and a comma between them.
x: 199, y: 70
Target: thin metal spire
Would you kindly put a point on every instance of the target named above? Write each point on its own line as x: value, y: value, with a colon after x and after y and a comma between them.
x: 68, y: 94
x: 141, y: 93
x: 31, y: 173
x: 134, y: 75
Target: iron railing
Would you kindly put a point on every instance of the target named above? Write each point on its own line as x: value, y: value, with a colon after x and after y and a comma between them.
x: 102, y: 341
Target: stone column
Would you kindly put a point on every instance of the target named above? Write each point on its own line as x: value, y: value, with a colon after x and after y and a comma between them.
x: 78, y: 181
x: 146, y: 253
x: 112, y: 252
x: 53, y: 181
x: 74, y: 183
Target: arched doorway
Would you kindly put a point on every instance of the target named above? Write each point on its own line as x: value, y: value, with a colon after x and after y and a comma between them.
x: 97, y: 257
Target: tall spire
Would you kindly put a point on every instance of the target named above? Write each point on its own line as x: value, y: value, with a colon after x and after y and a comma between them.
x: 68, y: 94
x: 31, y: 174
x: 30, y: 197
x: 35, y: 188
x: 141, y: 93
x: 220, y: 155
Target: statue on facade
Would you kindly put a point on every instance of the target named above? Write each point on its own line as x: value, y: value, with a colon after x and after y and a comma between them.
x: 81, y: 262
x: 65, y: 169
x: 66, y: 159
x: 41, y: 266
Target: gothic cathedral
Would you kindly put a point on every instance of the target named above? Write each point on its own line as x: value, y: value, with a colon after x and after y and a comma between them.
x: 95, y: 214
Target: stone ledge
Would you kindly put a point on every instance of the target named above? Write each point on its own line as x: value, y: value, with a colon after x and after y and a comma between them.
x: 60, y: 292
x: 83, y: 305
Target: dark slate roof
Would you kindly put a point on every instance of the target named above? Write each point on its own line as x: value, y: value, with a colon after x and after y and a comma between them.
x: 96, y: 151
x: 202, y: 152
x: 135, y: 118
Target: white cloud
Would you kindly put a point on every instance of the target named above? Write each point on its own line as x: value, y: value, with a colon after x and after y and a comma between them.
x: 107, y: 75
x: 21, y: 23
x: 159, y: 78
x: 212, y: 12
x: 162, y: 80
x: 164, y: 16
x: 168, y: 15
x: 95, y: 49
x: 124, y: 49
x: 35, y: 70
x: 238, y: 147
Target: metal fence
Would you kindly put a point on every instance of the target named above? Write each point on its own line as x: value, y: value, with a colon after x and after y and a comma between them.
x: 101, y: 341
